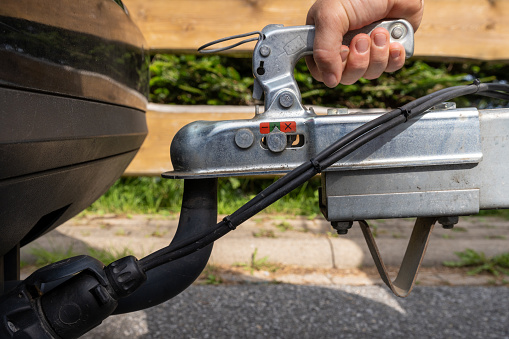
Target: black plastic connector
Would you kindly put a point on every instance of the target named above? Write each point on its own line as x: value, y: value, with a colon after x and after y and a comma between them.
x: 77, y: 305
x: 125, y: 276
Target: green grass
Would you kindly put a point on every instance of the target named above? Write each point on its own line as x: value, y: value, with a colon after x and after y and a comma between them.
x: 259, y: 264
x: 137, y: 195
x: 146, y: 195
x: 284, y: 226
x: 459, y: 229
x: 495, y: 213
x: 211, y: 275
x: 263, y: 233
x: 110, y: 255
x: 479, y: 262
x: 45, y: 257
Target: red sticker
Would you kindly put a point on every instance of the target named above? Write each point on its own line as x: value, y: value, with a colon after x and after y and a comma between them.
x: 284, y: 126
x: 265, y: 128
x: 288, y: 126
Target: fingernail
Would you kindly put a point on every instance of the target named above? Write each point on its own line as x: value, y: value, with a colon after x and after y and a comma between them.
x: 344, y: 54
x: 395, y: 53
x: 362, y: 45
x: 380, y: 39
x: 329, y: 79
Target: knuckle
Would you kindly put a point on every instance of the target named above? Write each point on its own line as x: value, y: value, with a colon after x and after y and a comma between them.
x: 372, y: 75
x: 325, y: 59
x: 348, y: 81
x: 358, y: 63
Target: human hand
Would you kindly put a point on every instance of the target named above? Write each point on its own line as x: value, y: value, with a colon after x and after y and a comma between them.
x: 367, y: 56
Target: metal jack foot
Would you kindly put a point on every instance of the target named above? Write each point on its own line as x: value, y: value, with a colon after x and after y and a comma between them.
x: 405, y: 280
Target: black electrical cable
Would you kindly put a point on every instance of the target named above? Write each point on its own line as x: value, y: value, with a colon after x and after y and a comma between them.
x: 256, y: 206
x: 327, y: 152
x: 221, y: 229
x: 324, y: 159
x: 340, y: 143
x: 496, y: 95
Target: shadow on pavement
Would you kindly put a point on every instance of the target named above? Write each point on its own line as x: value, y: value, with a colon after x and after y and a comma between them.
x: 293, y: 311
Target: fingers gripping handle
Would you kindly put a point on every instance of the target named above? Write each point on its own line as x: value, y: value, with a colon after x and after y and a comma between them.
x: 279, y: 49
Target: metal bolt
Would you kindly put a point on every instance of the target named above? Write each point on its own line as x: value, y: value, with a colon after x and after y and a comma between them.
x: 265, y: 51
x: 448, y: 222
x: 398, y: 31
x: 276, y: 141
x: 286, y: 99
x: 244, y: 138
x: 342, y: 227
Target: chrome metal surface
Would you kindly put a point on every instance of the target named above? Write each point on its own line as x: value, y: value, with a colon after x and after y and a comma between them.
x: 202, y: 49
x: 286, y: 100
x: 403, y: 205
x: 445, y: 190
x: 420, y: 142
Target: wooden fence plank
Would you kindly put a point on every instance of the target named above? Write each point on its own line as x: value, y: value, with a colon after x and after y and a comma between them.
x: 476, y: 29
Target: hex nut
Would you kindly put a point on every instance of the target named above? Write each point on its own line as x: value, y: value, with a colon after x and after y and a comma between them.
x: 342, y: 227
x: 448, y: 222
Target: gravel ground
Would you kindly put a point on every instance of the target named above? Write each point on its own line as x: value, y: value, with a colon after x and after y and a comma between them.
x: 298, y: 311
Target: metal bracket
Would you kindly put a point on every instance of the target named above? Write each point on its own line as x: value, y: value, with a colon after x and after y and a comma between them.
x: 405, y: 280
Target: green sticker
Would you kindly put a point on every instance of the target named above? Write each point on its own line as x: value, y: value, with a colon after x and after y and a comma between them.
x: 274, y: 125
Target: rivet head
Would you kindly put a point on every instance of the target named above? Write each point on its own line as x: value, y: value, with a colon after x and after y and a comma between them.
x: 276, y: 141
x: 265, y: 51
x: 244, y: 138
x: 398, y: 31
x: 286, y: 100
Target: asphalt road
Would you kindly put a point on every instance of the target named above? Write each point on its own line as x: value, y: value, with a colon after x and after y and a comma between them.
x: 295, y: 311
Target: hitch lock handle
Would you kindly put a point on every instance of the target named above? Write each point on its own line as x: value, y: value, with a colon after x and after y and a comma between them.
x: 279, y: 48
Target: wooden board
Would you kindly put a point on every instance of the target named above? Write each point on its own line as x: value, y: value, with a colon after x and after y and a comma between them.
x: 475, y: 29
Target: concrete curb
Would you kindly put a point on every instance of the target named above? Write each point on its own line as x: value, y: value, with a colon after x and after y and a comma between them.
x: 296, y: 242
